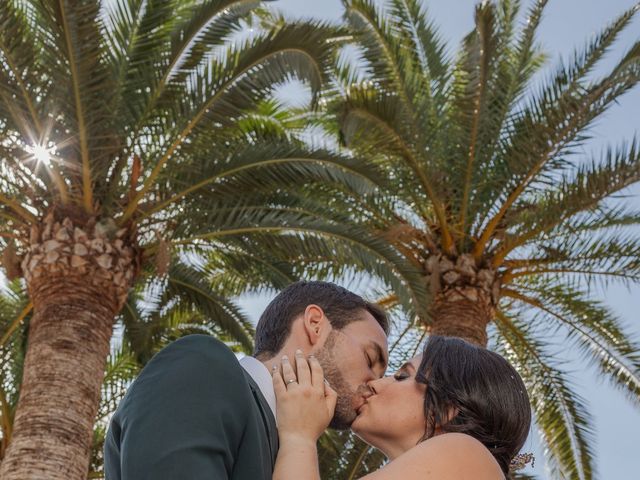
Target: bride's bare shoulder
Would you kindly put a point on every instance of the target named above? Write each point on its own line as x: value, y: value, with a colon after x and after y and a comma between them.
x: 445, y: 457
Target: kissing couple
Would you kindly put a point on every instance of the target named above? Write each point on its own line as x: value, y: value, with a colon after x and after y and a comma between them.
x: 456, y: 411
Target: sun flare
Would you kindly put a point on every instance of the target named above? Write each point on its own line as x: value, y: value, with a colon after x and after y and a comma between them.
x: 41, y: 154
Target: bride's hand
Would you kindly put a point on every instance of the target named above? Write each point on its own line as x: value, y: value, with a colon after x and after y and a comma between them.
x: 304, y: 401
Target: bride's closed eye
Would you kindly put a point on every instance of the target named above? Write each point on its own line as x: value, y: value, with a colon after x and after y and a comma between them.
x: 399, y: 376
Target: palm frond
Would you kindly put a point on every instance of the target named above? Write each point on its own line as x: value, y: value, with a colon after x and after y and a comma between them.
x: 15, y: 315
x: 122, y: 367
x: 558, y: 116
x: 75, y: 28
x: 223, y: 91
x: 472, y: 82
x: 267, y: 166
x: 375, y: 253
x: 18, y: 72
x: 581, y: 190
x: 599, y: 258
x: 560, y: 413
x: 422, y: 34
x: 384, y: 51
x: 191, y: 288
x: 592, y: 329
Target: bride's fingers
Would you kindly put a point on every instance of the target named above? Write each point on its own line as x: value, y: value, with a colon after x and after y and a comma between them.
x: 331, y: 395
x: 278, y: 383
x: 317, y: 375
x: 302, y: 368
x: 288, y: 374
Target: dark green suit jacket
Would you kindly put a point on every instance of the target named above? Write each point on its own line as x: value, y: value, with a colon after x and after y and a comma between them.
x: 193, y: 413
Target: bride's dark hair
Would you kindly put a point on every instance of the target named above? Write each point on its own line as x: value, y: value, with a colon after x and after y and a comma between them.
x: 472, y: 390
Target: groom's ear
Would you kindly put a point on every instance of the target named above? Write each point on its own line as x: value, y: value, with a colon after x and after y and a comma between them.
x: 316, y: 325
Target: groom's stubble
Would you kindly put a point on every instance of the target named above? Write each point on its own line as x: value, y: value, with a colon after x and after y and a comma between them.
x: 344, y: 413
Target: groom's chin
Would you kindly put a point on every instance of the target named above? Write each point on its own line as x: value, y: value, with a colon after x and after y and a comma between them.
x: 344, y: 416
x: 342, y: 423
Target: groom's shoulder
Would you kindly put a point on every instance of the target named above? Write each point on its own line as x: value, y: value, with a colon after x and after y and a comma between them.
x: 198, y: 343
x: 198, y: 350
x: 188, y: 369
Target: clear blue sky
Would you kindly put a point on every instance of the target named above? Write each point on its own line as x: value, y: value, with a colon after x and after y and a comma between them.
x: 567, y: 24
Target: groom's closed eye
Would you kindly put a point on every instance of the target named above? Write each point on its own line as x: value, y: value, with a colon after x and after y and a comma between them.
x: 376, y: 357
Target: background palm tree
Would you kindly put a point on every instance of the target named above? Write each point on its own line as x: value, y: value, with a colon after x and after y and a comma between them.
x: 490, y: 196
x: 15, y: 315
x: 130, y: 130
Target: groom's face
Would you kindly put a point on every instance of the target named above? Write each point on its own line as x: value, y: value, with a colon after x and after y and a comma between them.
x: 350, y: 358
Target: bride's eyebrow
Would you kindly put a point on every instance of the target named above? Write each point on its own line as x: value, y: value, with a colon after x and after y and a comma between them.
x: 408, y: 366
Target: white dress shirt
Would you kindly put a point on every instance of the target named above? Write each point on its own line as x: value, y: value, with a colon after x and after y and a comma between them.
x: 260, y: 374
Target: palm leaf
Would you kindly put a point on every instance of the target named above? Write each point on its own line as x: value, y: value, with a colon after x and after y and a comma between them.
x: 593, y: 330
x: 560, y: 413
x: 558, y: 115
x: 582, y: 191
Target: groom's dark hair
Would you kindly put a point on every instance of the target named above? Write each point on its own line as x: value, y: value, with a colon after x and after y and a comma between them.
x: 340, y: 306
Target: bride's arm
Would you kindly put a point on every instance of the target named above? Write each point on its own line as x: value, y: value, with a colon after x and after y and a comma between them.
x: 304, y: 409
x: 297, y: 458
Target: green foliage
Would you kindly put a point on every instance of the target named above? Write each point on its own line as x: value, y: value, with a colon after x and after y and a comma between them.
x: 15, y: 313
x: 560, y: 413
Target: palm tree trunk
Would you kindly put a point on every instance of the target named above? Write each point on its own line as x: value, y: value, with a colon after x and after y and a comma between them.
x: 464, y: 297
x: 77, y: 283
x: 68, y: 345
x: 458, y: 316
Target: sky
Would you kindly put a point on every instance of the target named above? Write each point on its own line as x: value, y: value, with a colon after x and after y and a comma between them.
x: 567, y: 24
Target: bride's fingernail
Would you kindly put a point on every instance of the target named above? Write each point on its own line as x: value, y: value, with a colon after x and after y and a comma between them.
x: 299, y: 352
x: 285, y: 358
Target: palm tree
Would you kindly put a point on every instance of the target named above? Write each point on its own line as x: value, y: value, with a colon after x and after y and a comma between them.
x: 490, y: 196
x: 130, y: 130
x: 15, y: 314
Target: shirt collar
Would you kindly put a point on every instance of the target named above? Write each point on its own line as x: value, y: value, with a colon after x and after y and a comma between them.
x: 260, y: 374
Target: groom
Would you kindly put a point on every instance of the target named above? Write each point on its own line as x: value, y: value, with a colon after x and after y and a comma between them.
x: 195, y: 412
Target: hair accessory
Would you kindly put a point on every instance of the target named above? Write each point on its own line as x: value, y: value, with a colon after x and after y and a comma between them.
x: 521, y: 460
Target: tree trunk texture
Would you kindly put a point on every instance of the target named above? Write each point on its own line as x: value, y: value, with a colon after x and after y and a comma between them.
x: 77, y: 283
x: 456, y: 316
x: 464, y: 297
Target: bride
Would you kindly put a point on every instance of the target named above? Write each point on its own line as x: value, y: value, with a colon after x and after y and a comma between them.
x: 455, y: 412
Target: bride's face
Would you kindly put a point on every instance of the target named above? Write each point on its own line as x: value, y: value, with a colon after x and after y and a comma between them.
x: 394, y: 413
